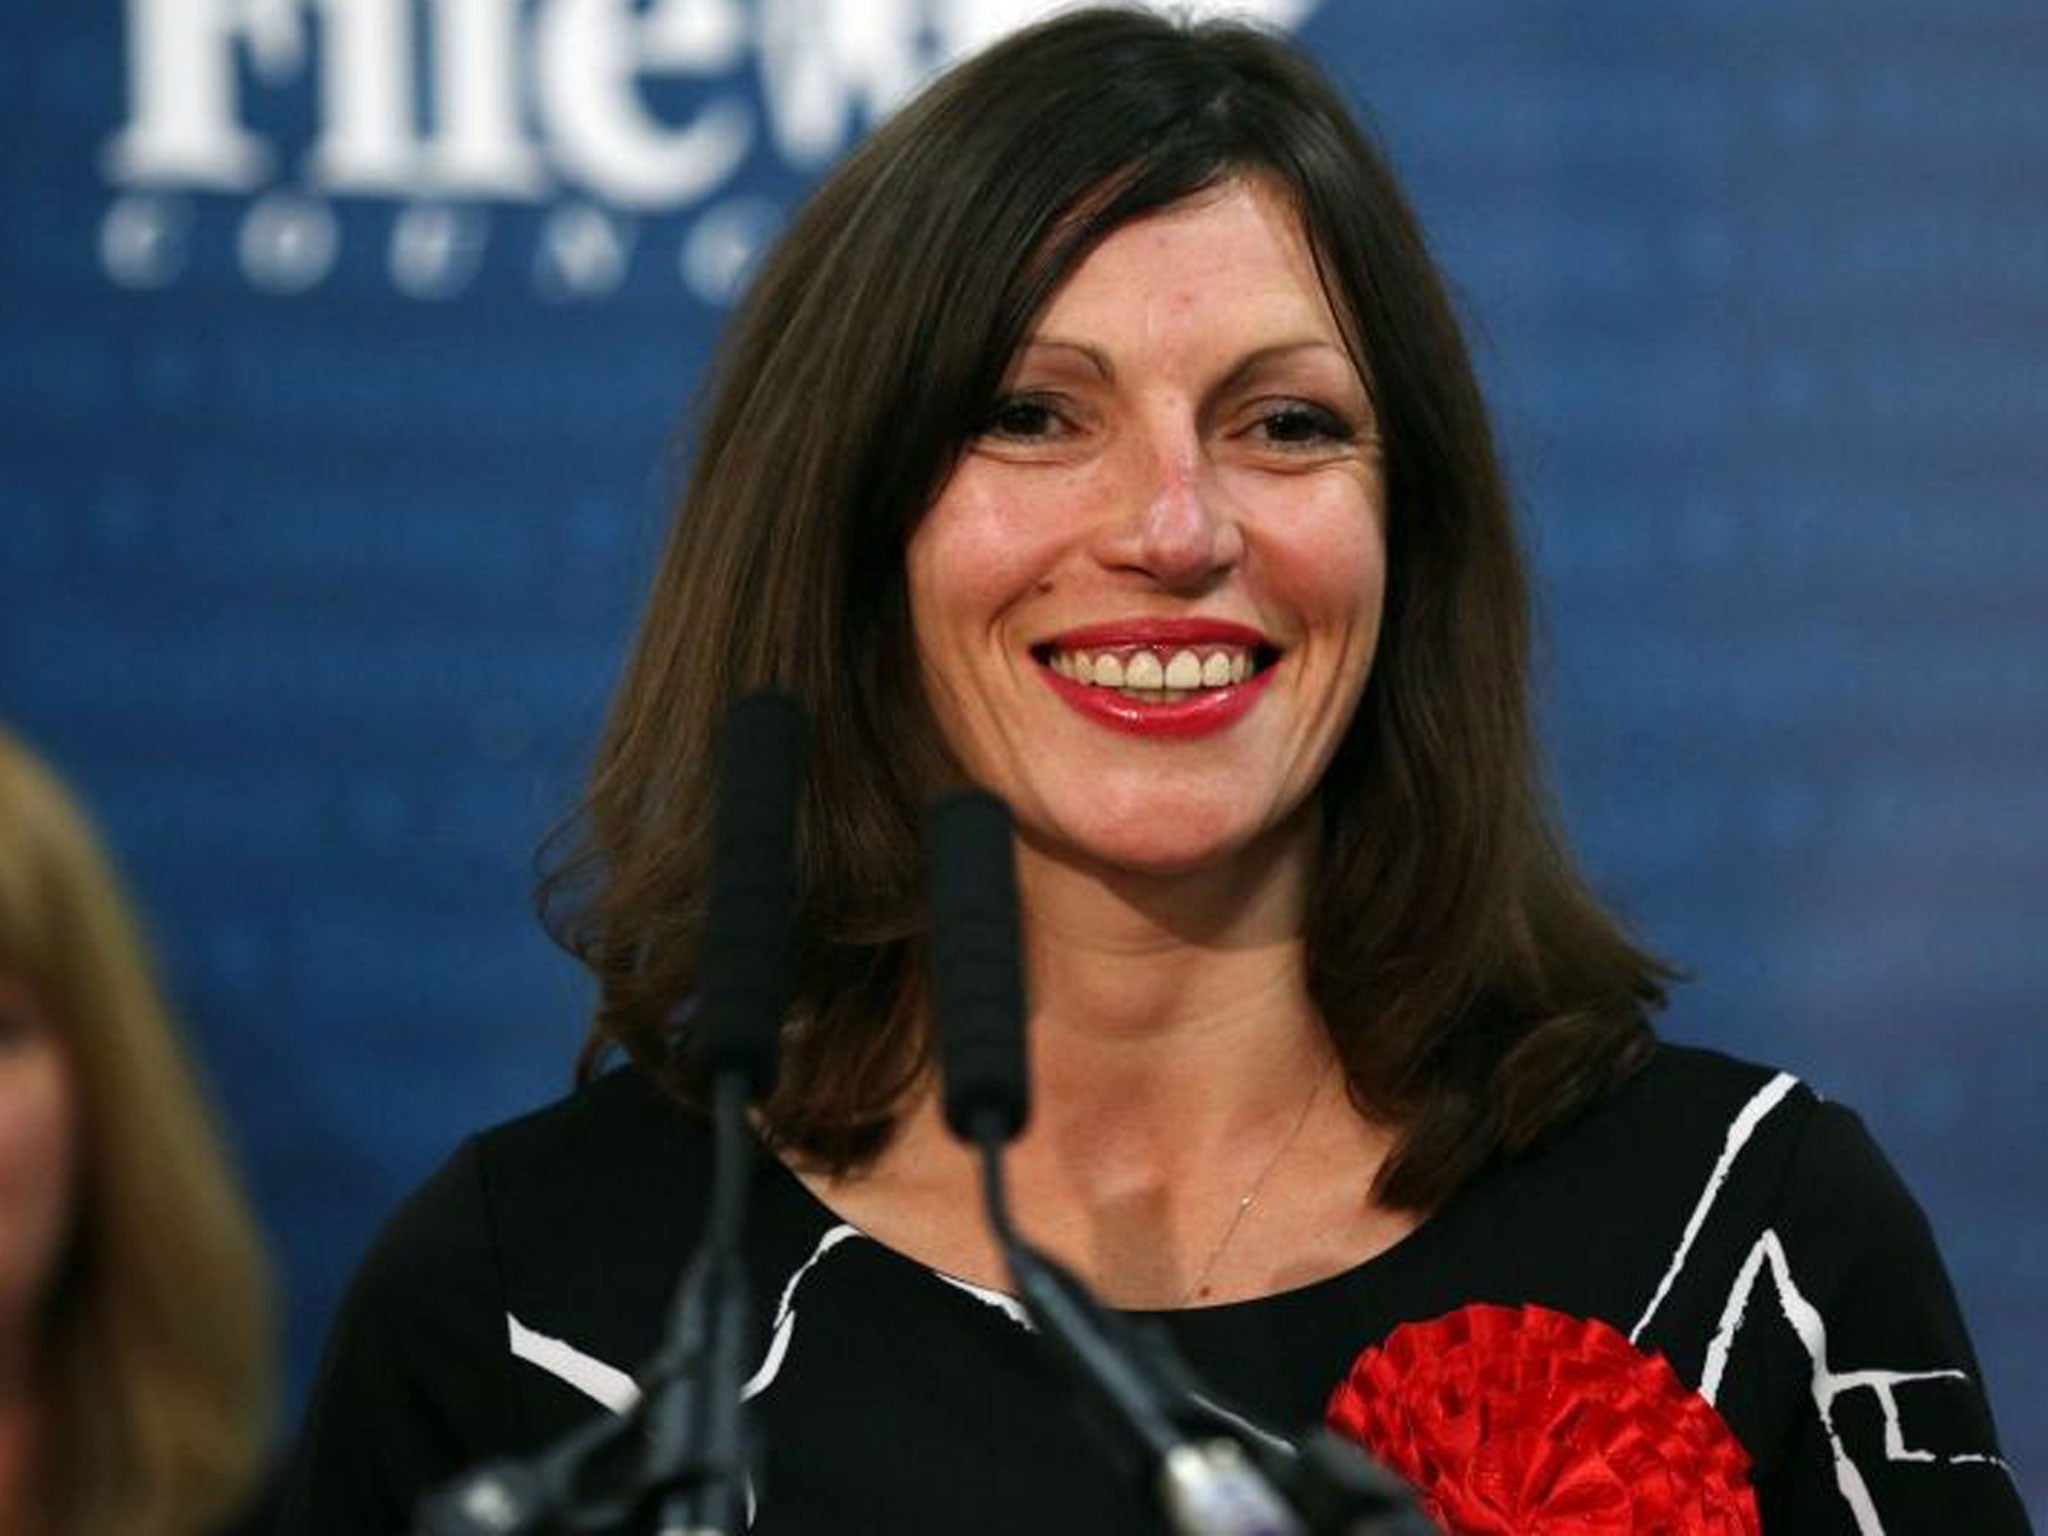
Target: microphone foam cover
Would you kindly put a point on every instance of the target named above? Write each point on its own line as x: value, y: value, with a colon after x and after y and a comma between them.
x: 977, y: 978
x: 746, y: 985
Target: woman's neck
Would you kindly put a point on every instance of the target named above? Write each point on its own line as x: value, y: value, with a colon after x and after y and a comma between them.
x: 1169, y: 1003
x: 1190, y: 1136
x: 1175, y: 1051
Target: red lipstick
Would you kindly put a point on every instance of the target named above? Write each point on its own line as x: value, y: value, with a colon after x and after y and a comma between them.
x: 1155, y: 633
x: 1199, y: 712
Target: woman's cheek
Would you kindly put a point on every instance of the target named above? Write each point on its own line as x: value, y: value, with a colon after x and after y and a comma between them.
x: 36, y: 1154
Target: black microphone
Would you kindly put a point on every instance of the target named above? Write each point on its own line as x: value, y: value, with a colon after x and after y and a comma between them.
x: 737, y: 1026
x: 1209, y: 1478
x: 977, y: 982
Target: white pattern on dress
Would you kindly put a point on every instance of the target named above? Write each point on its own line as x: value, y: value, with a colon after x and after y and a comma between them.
x: 999, y: 1301
x: 617, y: 1391
x: 589, y: 1375
x: 612, y: 1387
x: 785, y: 1313
x: 1766, y: 1099
x: 1827, y: 1384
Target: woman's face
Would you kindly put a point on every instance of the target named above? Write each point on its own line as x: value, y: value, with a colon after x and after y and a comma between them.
x: 1146, y: 602
x: 36, y: 1153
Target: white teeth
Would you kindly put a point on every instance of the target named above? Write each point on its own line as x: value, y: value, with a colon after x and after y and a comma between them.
x: 1141, y: 674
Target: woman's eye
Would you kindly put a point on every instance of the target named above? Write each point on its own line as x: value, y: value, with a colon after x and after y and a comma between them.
x: 1022, y: 418
x: 1299, y: 424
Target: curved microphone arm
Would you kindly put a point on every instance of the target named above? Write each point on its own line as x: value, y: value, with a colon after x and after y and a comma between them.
x: 1206, y: 1485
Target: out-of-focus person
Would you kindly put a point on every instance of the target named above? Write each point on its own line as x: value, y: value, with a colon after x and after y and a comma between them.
x: 135, y: 1350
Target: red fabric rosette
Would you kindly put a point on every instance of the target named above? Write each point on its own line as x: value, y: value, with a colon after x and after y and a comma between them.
x: 1520, y: 1421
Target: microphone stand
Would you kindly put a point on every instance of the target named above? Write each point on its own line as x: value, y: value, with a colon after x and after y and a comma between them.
x: 695, y: 1425
x: 1207, y: 1487
x: 1210, y: 1478
x: 683, y: 1442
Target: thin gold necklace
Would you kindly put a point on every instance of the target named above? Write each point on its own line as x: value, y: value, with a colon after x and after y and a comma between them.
x: 1251, y: 1195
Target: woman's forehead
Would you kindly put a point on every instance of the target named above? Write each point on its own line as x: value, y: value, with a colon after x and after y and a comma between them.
x: 1237, y: 247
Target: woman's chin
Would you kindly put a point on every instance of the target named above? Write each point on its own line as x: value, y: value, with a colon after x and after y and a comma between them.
x: 1183, y: 844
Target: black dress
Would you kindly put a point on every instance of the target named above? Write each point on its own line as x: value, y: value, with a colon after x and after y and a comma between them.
x: 1710, y: 1212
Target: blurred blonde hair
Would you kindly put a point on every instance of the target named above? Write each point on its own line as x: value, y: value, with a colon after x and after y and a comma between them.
x: 156, y: 1364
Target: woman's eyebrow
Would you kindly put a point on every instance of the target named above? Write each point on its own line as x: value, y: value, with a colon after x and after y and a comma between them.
x: 1093, y: 355
x: 1246, y: 366
x: 1281, y: 351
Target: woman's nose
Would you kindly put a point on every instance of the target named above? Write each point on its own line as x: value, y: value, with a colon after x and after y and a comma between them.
x: 1176, y: 526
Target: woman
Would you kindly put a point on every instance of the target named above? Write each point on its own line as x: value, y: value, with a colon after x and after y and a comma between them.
x: 1099, y: 433
x: 134, y: 1348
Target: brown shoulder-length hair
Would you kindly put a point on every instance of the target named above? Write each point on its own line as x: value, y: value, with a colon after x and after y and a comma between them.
x: 1474, y: 987
x: 154, y: 1370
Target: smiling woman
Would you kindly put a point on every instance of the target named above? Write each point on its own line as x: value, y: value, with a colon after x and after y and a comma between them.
x: 1173, y: 526
x: 1099, y: 434
x: 953, y: 312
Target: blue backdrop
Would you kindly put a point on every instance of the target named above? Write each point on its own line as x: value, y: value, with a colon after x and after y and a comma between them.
x: 344, y: 341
